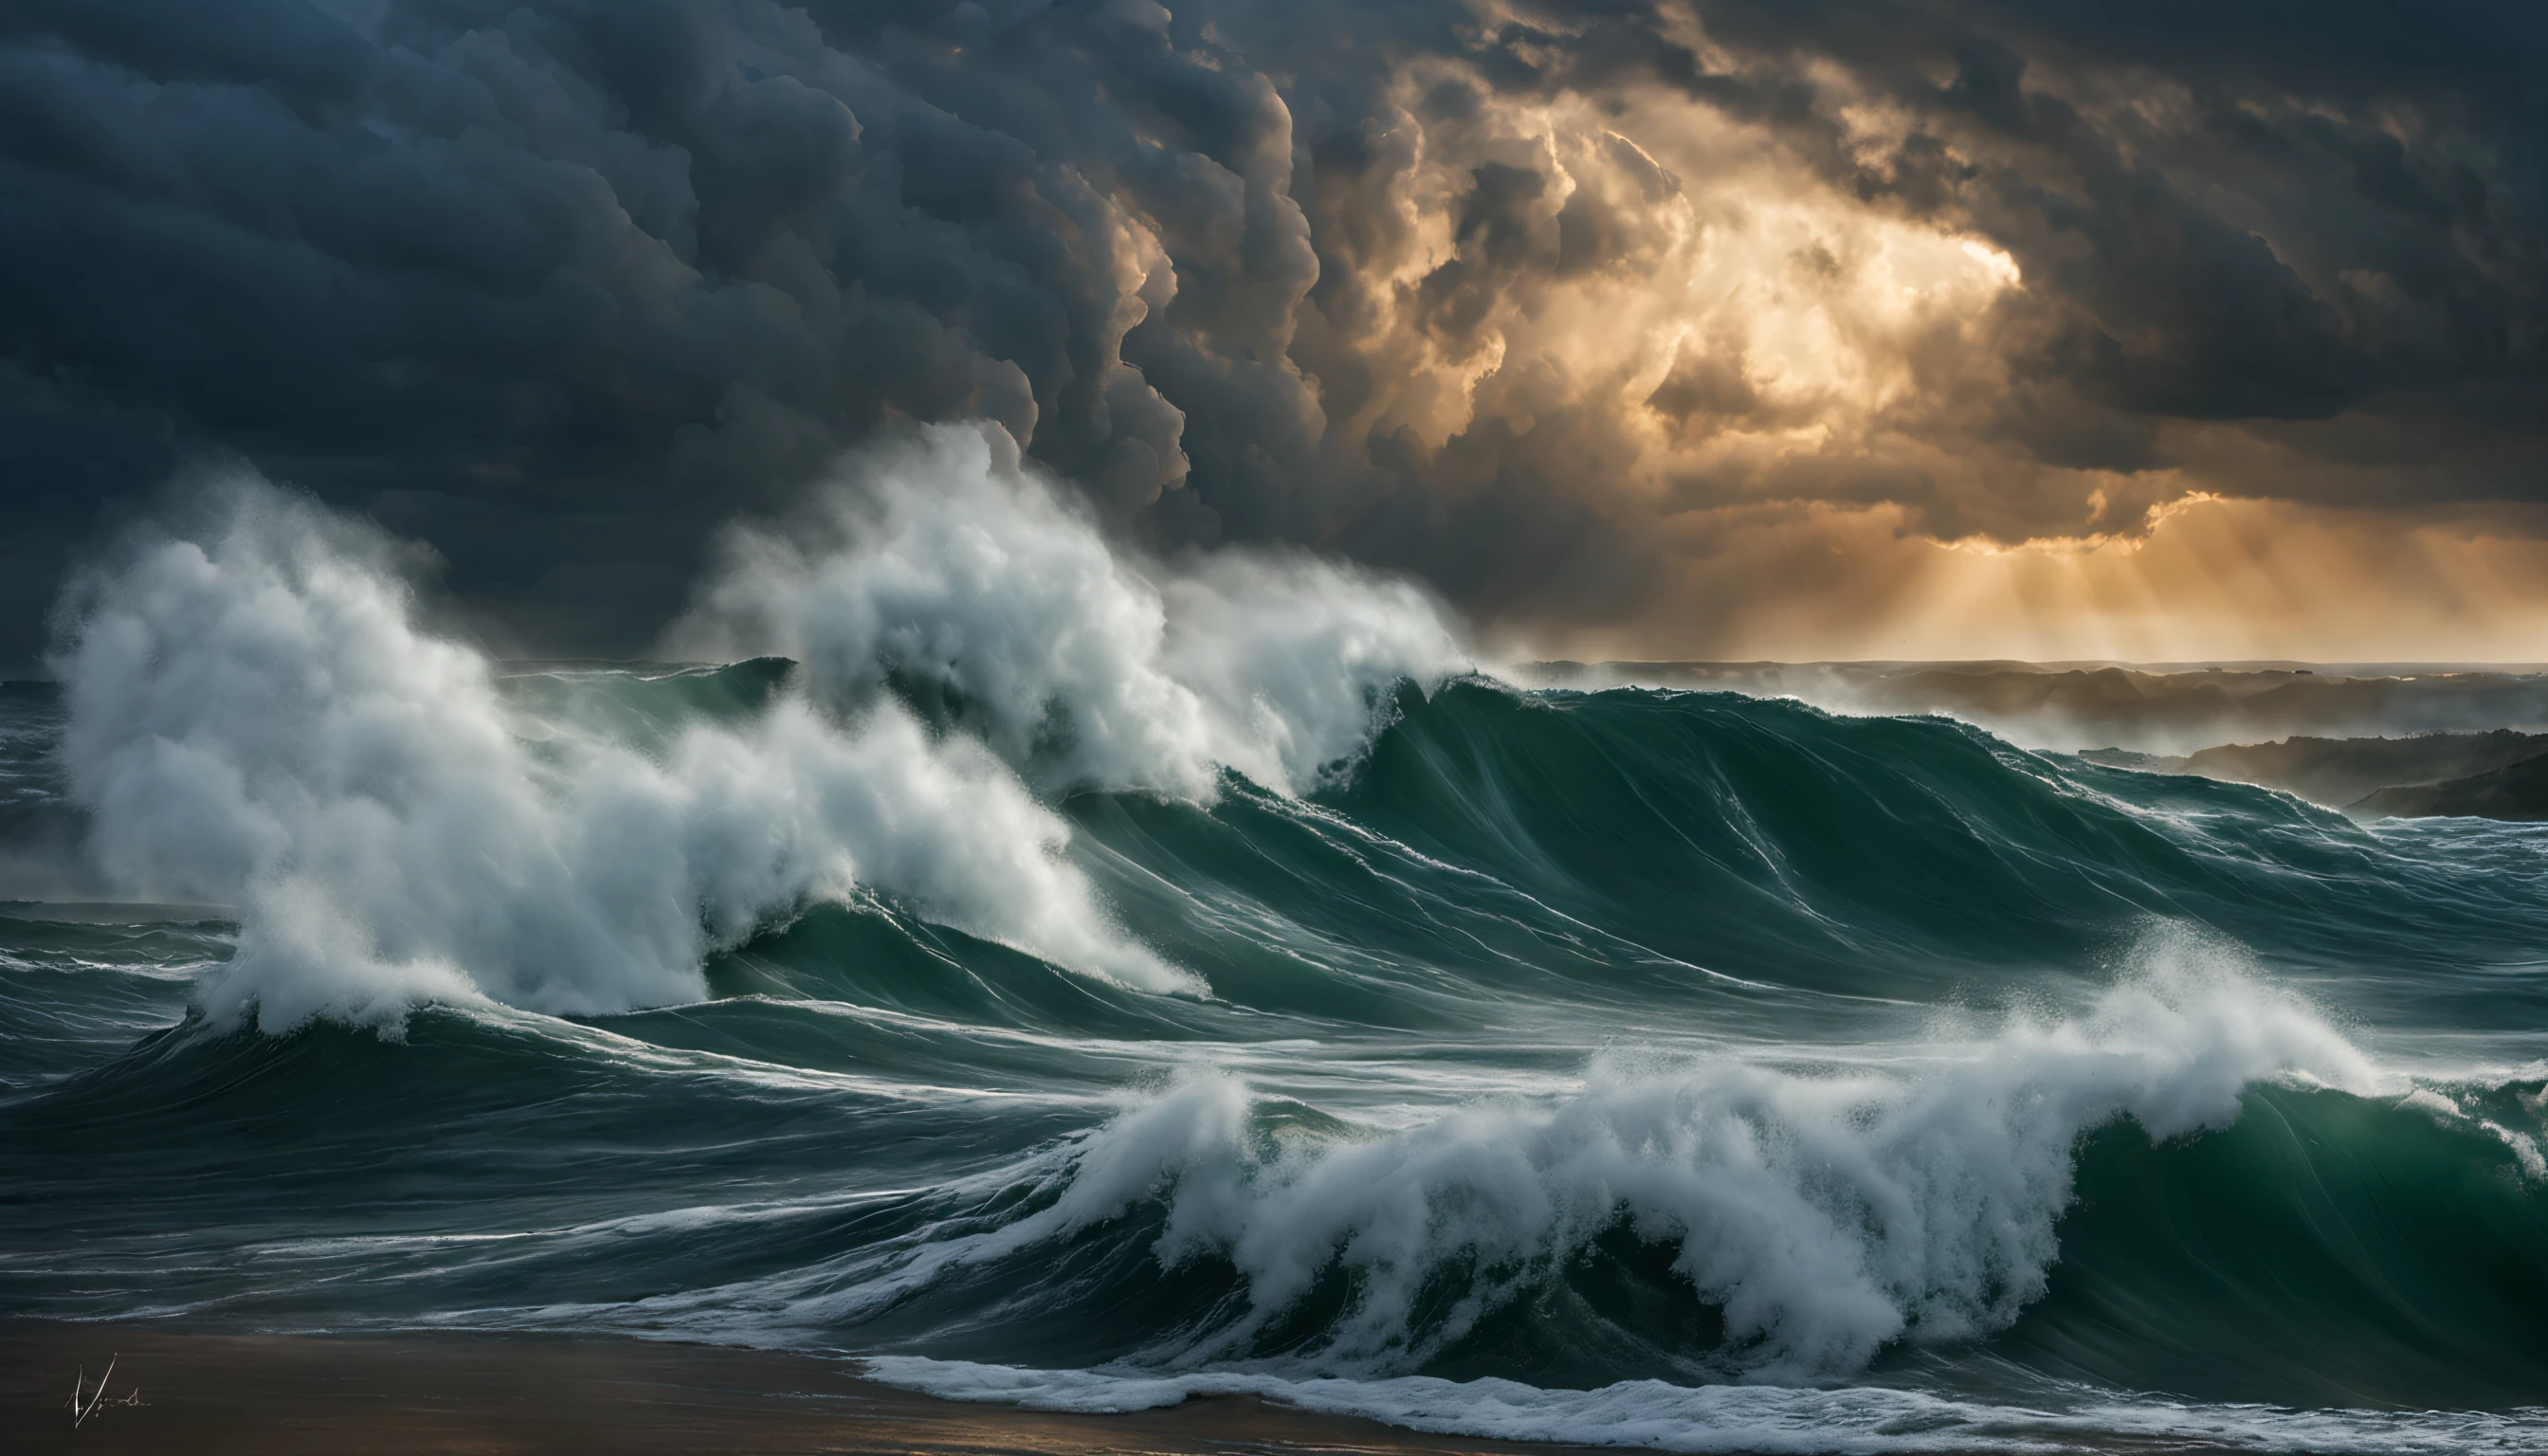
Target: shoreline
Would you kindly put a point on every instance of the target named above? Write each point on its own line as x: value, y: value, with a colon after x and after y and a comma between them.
x: 439, y: 1390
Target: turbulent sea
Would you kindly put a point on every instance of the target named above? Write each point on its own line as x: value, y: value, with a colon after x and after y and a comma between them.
x: 1671, y: 1068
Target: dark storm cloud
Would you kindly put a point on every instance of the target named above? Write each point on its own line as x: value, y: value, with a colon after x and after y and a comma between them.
x: 2268, y: 211
x: 558, y: 286
x: 2278, y: 213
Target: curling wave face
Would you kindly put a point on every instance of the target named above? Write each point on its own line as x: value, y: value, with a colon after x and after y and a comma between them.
x: 257, y: 718
x: 1068, y: 978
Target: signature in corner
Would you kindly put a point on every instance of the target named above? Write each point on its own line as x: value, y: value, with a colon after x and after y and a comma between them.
x: 85, y: 1401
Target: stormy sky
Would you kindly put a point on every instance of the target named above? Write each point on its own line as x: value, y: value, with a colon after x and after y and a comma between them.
x: 1740, y: 328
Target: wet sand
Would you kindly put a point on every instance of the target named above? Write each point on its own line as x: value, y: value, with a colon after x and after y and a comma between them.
x: 510, y: 1393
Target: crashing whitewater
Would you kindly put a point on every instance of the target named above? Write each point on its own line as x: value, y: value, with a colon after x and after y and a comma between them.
x: 1055, y: 975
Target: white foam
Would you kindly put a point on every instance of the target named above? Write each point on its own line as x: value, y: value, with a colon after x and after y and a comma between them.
x: 945, y: 559
x: 257, y: 718
x: 1827, y: 1215
x: 1742, y: 1417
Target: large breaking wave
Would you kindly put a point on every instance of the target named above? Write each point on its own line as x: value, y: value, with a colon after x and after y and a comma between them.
x: 257, y: 718
x: 1064, y: 976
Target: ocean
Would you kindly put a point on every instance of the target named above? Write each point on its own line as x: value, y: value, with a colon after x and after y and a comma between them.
x: 1660, y: 1067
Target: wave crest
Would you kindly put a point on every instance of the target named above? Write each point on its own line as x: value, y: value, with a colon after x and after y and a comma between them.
x: 1824, y: 1216
x: 942, y: 567
x: 257, y: 718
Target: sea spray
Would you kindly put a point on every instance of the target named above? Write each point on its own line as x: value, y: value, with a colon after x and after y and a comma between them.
x: 1825, y: 1215
x: 257, y: 718
x: 943, y: 564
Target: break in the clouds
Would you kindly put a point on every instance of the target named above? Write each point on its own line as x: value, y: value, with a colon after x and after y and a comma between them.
x: 1651, y: 326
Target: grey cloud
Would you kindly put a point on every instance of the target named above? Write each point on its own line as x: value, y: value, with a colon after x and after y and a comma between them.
x: 559, y: 285
x: 652, y: 261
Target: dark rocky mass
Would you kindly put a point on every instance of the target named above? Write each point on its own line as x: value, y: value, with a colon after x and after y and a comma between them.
x: 2339, y: 771
x: 2517, y: 792
x: 2501, y: 774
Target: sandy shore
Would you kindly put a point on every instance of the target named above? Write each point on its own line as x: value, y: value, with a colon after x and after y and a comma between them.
x: 490, y: 1392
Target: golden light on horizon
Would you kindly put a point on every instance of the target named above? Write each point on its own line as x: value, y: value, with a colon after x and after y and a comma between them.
x: 2212, y: 579
x: 1812, y: 412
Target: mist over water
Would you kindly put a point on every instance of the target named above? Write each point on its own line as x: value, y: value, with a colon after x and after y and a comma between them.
x: 1056, y: 976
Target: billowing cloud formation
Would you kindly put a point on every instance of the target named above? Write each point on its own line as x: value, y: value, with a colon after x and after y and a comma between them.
x: 1556, y: 305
